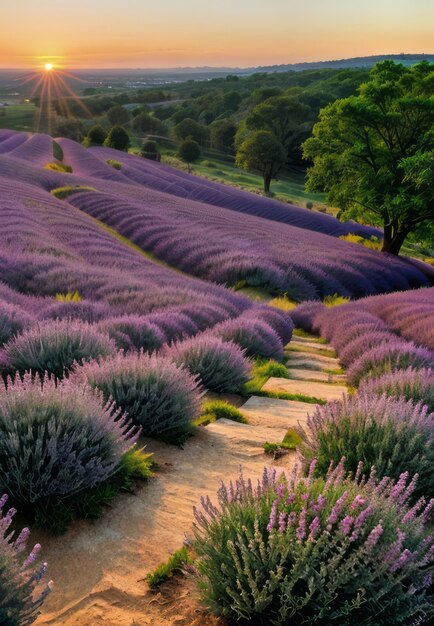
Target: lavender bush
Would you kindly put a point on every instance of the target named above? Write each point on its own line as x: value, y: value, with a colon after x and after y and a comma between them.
x: 13, y: 320
x: 154, y: 392
x: 84, y: 310
x: 131, y: 332
x: 21, y: 590
x: 411, y: 384
x: 57, y: 440
x: 220, y: 365
x: 54, y: 347
x: 313, y: 551
x: 393, y: 435
x: 304, y: 315
x: 280, y: 321
x: 254, y: 336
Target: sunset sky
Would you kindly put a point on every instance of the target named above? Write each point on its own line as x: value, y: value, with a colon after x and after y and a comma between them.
x: 169, y: 33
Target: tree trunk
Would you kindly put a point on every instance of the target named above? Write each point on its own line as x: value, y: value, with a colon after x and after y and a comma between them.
x: 392, y: 244
x: 267, y: 183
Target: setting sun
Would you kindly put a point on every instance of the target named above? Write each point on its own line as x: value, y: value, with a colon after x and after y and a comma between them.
x: 48, y: 67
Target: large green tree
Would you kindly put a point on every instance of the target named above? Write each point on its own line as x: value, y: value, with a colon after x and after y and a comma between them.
x: 374, y: 153
x: 262, y: 153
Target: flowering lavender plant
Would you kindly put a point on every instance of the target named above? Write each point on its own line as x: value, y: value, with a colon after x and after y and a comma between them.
x: 21, y: 591
x: 133, y: 332
x: 411, y: 384
x: 294, y: 550
x: 54, y: 347
x: 394, y: 435
x: 220, y: 365
x: 254, y: 336
x: 57, y: 440
x: 155, y: 393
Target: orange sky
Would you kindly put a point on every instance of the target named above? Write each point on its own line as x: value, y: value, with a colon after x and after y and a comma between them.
x: 168, y: 33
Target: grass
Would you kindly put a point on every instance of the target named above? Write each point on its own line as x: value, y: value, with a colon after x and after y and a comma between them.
x: 56, y: 515
x: 116, y: 164
x: 335, y: 300
x: 262, y: 371
x: 299, y: 332
x: 69, y: 296
x: 283, y: 302
x: 18, y: 117
x: 164, y: 571
x: 61, y: 193
x: 219, y: 409
x: 58, y: 167
x: 290, y: 441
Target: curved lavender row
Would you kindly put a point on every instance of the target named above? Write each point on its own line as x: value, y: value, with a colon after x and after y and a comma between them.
x: 38, y: 149
x: 176, y: 182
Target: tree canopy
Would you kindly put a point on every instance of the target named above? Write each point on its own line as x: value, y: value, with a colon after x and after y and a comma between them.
x: 373, y: 153
x: 118, y: 139
x: 189, y: 151
x: 262, y: 153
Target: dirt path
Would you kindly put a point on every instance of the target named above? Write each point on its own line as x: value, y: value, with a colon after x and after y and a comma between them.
x: 99, y: 566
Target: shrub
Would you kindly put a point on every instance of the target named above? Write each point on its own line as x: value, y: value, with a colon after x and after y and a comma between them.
x: 56, y: 440
x: 61, y: 193
x: 96, y: 135
x: 220, y: 365
x: 304, y: 315
x: 305, y: 551
x: 389, y: 357
x: 150, y: 150
x: 255, y: 336
x: 117, y: 165
x: 118, y: 139
x: 21, y: 594
x: 411, y: 384
x: 13, y: 320
x: 370, y: 339
x: 160, y: 396
x: 83, y: 310
x: 133, y: 332
x: 59, y: 167
x: 54, y: 346
x: 279, y: 320
x: 393, y: 435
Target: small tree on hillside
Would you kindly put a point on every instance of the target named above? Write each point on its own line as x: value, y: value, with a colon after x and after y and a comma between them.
x: 150, y: 150
x: 189, y: 128
x: 118, y: 139
x: 189, y: 152
x: 261, y: 153
x: 147, y: 123
x: 96, y: 135
x: 117, y: 115
x: 223, y: 135
x: 373, y: 153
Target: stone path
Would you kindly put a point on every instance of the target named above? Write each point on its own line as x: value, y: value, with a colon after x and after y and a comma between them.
x: 99, y: 566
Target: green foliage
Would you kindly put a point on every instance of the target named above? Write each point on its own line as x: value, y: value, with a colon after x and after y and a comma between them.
x: 58, y: 167
x: 69, y: 296
x: 290, y: 441
x: 335, y: 300
x: 163, y: 572
x: 63, y: 192
x: 374, y: 243
x: 190, y: 129
x: 189, y: 151
x: 117, y: 165
x: 57, y: 151
x: 57, y: 516
x: 262, y: 153
x: 118, y: 115
x: 96, y: 135
x: 372, y: 153
x: 146, y: 123
x: 71, y: 129
x: 118, y: 139
x: 150, y: 150
x: 219, y: 409
x: 222, y: 133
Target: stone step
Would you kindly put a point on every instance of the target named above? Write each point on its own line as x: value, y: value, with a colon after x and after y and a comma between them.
x: 309, y: 374
x: 314, y: 361
x: 273, y: 413
x: 245, y: 440
x: 322, y: 391
x: 294, y: 343
x: 312, y: 339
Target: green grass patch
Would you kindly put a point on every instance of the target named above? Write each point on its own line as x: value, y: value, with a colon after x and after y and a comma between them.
x: 116, y: 164
x: 299, y: 332
x: 61, y: 193
x: 57, y: 151
x: 283, y: 302
x: 58, y: 167
x: 69, y: 296
x: 56, y: 515
x: 219, y: 409
x: 290, y: 441
x: 18, y: 117
x: 164, y: 571
x: 335, y: 300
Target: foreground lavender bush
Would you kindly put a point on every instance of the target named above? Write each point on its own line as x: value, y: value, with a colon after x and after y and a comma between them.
x: 13, y: 320
x: 254, y: 336
x: 154, y: 392
x: 131, y: 332
x: 220, y: 365
x: 315, y: 551
x: 304, y: 315
x: 411, y: 384
x: 21, y: 593
x: 279, y: 320
x: 54, y: 347
x: 57, y: 440
x: 393, y: 435
x: 84, y: 310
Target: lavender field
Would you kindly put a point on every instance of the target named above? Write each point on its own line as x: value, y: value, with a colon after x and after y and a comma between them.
x: 135, y: 373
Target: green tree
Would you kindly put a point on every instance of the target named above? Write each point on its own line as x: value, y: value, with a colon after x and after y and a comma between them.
x: 282, y: 115
x: 96, y: 135
x: 262, y: 153
x: 118, y: 139
x: 373, y: 153
x: 147, y: 123
x: 189, y: 128
x: 231, y: 101
x: 189, y: 152
x: 223, y: 135
x: 150, y: 150
x: 118, y: 115
x: 72, y: 129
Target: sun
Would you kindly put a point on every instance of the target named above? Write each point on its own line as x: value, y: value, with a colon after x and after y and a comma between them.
x: 48, y: 67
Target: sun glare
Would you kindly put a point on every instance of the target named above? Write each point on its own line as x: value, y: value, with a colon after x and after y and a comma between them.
x: 48, y: 67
